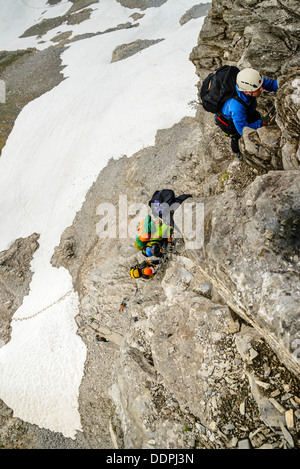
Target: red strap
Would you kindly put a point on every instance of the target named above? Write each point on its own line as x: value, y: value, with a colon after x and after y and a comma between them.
x: 222, y: 121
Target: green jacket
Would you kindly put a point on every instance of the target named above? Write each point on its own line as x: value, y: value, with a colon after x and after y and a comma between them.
x: 157, y: 231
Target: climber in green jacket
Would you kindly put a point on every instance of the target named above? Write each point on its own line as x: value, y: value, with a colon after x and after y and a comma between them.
x: 153, y: 237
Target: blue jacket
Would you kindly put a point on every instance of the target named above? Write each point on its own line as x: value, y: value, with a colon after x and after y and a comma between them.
x: 237, y: 112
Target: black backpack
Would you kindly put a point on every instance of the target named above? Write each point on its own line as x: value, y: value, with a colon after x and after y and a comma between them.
x: 218, y: 87
x: 161, y: 201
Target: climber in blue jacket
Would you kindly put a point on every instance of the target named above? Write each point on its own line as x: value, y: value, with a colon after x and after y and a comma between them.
x: 240, y: 112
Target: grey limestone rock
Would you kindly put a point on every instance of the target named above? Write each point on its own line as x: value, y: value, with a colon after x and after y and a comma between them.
x: 206, y: 354
x: 142, y: 4
x: 264, y: 36
x: 197, y: 11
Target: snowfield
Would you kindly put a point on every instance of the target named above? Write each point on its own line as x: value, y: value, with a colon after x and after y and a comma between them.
x: 58, y: 146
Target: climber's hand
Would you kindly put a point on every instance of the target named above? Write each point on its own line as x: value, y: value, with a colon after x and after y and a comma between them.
x: 268, y: 119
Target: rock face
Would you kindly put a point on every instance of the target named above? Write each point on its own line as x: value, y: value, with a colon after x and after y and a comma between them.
x: 233, y: 33
x: 192, y: 348
x: 189, y: 375
x: 19, y: 70
x: 195, y: 12
x: 15, y: 277
x: 75, y: 15
x: 250, y: 257
x: 255, y: 262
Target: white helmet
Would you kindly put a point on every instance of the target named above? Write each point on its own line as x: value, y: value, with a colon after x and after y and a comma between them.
x: 249, y: 80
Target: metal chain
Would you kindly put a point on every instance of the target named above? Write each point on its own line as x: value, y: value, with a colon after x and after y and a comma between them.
x: 44, y: 309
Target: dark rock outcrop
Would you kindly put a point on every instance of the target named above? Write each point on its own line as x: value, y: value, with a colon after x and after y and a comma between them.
x: 142, y: 4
